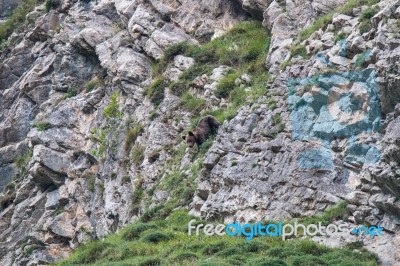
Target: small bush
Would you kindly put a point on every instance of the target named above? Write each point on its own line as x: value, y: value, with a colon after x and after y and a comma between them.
x: 125, y: 179
x: 133, y: 232
x: 156, y: 237
x: 195, y: 71
x: 321, y: 22
x: 369, y: 13
x: 178, y: 87
x: 132, y: 135
x: 71, y: 92
x: 137, y: 154
x: 365, y: 26
x: 42, y: 126
x: 193, y: 104
x: 340, y: 36
x: 17, y: 19
x: 51, y: 4
x: 226, y: 85
x: 156, y: 91
x: 112, y: 110
x: 90, y: 181
x: 92, y: 84
x: 158, y: 212
x: 22, y: 161
x: 298, y: 50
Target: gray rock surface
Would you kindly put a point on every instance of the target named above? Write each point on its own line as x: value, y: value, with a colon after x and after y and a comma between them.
x: 58, y: 77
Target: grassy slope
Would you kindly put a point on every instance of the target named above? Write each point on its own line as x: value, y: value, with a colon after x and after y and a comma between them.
x: 166, y: 242
x: 160, y: 236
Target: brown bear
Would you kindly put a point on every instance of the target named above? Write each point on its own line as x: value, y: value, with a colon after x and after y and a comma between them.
x: 208, y: 125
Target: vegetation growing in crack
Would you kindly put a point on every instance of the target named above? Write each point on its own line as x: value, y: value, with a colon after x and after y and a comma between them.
x: 106, y: 136
x: 365, y: 19
x: 243, y: 48
x: 42, y: 126
x: 17, y: 19
x: 93, y: 83
x: 324, y: 20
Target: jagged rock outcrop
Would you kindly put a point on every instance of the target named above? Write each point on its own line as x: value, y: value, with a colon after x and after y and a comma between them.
x: 66, y: 167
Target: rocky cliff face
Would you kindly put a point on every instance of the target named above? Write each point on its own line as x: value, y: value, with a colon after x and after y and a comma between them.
x: 81, y: 137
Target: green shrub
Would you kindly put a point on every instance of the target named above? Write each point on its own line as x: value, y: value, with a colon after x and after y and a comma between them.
x: 157, y: 212
x: 93, y: 83
x: 191, y: 103
x: 112, y: 110
x: 125, y: 179
x: 271, y: 104
x: 51, y: 4
x: 137, y: 154
x: 71, y: 92
x: 42, y: 126
x: 365, y: 26
x: 331, y: 214
x: 226, y: 85
x: 132, y: 135
x: 133, y: 232
x: 179, y: 87
x: 156, y: 92
x: 298, y: 50
x: 22, y: 161
x: 321, y: 22
x: 155, y: 237
x: 347, y: 8
x: 17, y: 19
x: 340, y: 36
x: 90, y: 181
x: 369, y: 13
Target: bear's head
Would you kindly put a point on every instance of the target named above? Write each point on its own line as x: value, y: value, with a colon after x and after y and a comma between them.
x: 190, y: 139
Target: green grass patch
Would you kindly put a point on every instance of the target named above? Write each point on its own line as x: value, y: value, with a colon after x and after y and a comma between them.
x: 71, y: 92
x: 42, y: 126
x: 17, y: 19
x: 132, y: 134
x: 137, y: 154
x: 324, y: 20
x: 94, y: 83
x: 163, y: 242
x: 156, y: 91
x: 243, y: 48
x: 192, y: 103
x: 298, y: 50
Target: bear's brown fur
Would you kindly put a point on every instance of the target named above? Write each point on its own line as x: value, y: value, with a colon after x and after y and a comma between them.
x: 208, y: 125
